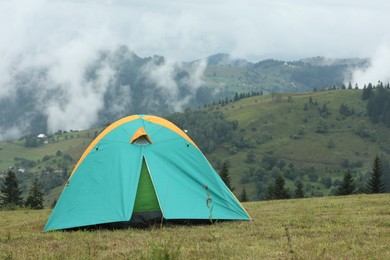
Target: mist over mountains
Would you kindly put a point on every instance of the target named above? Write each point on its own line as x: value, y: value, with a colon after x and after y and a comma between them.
x: 111, y: 85
x: 105, y: 85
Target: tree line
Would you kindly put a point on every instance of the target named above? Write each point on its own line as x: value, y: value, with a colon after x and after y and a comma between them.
x: 277, y: 189
x: 11, y: 193
x: 378, y: 102
x: 237, y: 96
x: 374, y: 184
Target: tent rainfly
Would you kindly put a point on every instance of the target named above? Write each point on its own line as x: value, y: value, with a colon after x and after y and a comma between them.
x: 141, y: 169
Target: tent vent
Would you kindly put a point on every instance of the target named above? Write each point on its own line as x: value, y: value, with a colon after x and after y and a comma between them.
x: 140, y: 137
x: 142, y: 140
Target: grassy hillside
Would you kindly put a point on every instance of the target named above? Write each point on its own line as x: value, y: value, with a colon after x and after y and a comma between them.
x: 306, y: 131
x: 51, y: 162
x: 304, y: 135
x: 353, y: 227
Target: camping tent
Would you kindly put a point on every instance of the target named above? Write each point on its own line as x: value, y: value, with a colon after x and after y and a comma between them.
x: 143, y: 168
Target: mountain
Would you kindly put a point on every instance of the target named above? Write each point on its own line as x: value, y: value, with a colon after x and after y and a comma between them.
x: 46, y: 98
x: 313, y: 137
x: 279, y: 76
x: 112, y: 85
x: 224, y: 59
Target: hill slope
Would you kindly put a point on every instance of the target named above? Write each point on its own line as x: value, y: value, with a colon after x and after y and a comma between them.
x: 302, y: 136
x: 235, y: 75
x: 51, y: 162
x: 314, y: 137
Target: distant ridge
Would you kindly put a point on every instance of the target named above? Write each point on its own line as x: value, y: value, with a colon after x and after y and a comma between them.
x: 118, y: 83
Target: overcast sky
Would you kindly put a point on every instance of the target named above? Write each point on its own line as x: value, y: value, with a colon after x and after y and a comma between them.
x: 68, y: 33
x: 189, y: 29
x: 64, y: 37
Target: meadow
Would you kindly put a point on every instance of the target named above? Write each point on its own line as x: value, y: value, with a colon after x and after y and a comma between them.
x: 293, y: 137
x: 351, y: 227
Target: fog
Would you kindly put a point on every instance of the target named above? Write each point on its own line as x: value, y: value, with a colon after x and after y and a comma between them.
x: 64, y: 37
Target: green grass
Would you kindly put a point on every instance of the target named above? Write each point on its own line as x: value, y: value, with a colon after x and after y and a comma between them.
x: 352, y: 227
x: 72, y: 146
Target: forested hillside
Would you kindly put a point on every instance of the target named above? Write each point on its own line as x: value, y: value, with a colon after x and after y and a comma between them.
x: 313, y: 138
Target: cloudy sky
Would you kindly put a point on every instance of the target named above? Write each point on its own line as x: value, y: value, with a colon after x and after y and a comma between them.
x: 189, y: 29
x: 65, y: 35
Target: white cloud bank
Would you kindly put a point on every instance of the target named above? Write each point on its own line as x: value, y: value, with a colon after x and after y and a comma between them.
x: 187, y: 30
x: 378, y: 71
x: 65, y: 35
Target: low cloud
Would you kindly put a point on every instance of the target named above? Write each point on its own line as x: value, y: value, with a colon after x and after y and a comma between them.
x: 80, y: 103
x: 81, y: 84
x: 177, y: 86
x: 379, y: 69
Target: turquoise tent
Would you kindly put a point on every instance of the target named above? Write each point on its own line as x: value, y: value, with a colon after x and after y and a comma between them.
x: 143, y: 168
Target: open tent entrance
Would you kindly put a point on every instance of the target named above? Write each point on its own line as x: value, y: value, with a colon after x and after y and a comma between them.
x: 146, y: 206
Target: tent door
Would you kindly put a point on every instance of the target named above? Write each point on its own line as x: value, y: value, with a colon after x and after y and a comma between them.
x: 146, y: 207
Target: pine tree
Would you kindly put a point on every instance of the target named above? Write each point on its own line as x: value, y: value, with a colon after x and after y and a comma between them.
x: 35, y: 196
x: 347, y: 186
x: 386, y: 174
x: 280, y: 191
x: 244, y: 196
x: 11, y: 192
x: 375, y: 183
x: 277, y: 190
x: 299, y: 192
x: 366, y: 93
x: 236, y: 96
x: 224, y: 174
x: 386, y: 113
x: 270, y: 195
